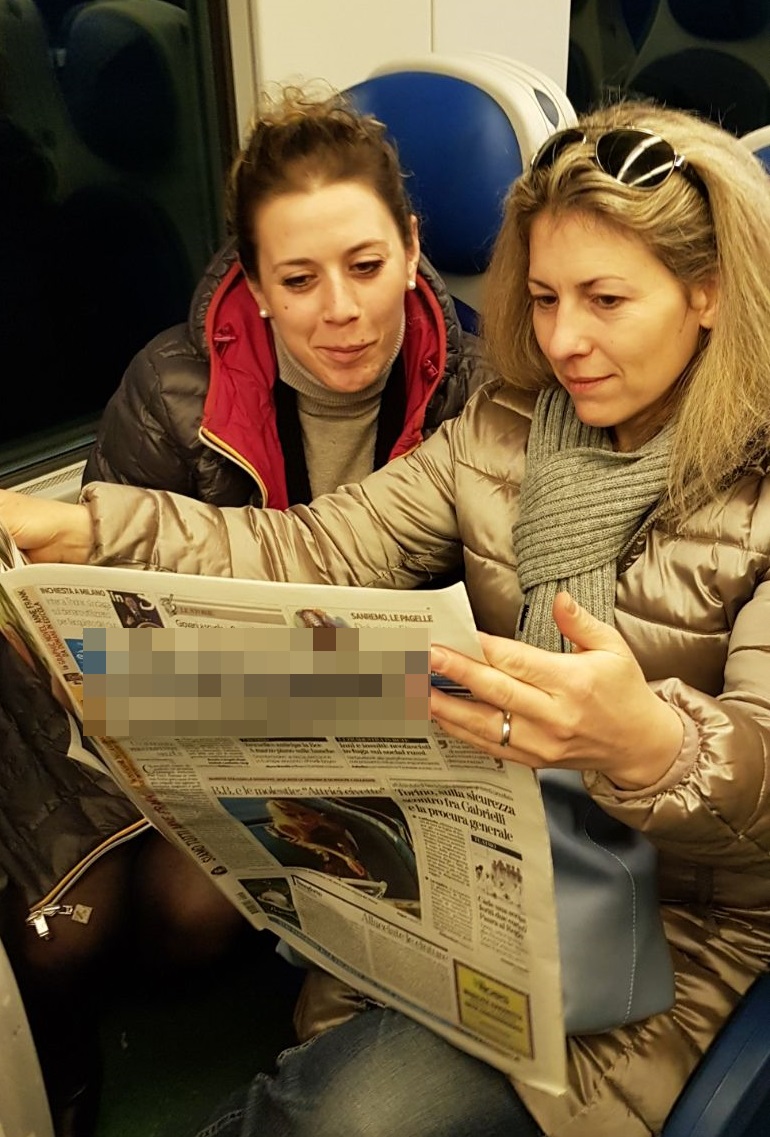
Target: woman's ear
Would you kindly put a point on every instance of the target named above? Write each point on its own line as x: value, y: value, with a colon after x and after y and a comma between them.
x: 259, y: 296
x: 704, y: 298
x: 413, y: 251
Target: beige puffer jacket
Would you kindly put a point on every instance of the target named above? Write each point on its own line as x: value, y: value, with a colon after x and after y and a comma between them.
x: 695, y: 609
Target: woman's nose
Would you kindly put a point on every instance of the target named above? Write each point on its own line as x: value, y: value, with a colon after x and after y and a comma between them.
x: 340, y: 301
x: 568, y: 334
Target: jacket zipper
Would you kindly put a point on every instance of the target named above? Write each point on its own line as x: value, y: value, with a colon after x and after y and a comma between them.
x: 51, y: 904
x: 635, y: 546
x: 220, y: 447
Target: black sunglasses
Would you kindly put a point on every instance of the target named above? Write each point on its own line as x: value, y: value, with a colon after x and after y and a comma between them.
x: 636, y: 158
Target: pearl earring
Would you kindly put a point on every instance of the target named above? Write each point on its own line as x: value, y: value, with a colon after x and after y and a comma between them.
x: 411, y: 285
x: 264, y: 313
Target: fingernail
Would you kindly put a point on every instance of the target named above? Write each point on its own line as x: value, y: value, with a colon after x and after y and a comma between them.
x: 438, y: 659
x: 571, y: 605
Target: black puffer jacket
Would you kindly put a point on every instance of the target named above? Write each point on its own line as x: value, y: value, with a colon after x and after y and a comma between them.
x: 56, y: 814
x: 150, y: 432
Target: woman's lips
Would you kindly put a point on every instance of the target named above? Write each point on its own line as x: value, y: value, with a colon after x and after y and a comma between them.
x: 579, y: 386
x: 345, y: 354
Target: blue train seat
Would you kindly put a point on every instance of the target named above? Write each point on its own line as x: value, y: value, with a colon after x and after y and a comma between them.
x: 465, y: 126
x: 729, y: 1093
x: 758, y: 141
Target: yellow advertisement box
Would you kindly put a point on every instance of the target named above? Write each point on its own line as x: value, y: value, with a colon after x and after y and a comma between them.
x: 494, y: 1011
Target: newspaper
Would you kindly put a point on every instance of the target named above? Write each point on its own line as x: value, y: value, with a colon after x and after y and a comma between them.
x: 414, y: 867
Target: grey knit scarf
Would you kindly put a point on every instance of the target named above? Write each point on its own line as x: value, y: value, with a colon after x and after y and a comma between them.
x: 581, y: 504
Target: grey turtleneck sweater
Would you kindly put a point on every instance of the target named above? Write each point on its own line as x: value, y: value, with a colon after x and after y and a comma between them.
x: 339, y: 428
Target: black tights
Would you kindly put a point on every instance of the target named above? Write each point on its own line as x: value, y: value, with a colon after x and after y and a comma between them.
x: 145, y: 894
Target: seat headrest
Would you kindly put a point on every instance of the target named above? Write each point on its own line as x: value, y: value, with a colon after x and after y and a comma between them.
x: 132, y: 124
x: 721, y: 19
x: 701, y: 78
x: 758, y: 142
x: 460, y: 153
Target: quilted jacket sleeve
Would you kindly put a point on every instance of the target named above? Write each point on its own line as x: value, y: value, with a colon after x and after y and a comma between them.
x: 348, y: 537
x: 720, y: 784
x: 139, y: 442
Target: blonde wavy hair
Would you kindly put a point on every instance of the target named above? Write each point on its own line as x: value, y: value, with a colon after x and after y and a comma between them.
x: 723, y: 398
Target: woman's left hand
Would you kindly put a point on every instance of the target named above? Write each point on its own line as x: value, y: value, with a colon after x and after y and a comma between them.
x: 47, y: 530
x: 591, y: 709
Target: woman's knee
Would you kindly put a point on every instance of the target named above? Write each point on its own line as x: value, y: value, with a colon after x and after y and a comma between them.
x: 378, y: 1075
x: 181, y: 912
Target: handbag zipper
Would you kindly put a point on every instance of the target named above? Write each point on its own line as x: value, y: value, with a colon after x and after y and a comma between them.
x: 51, y: 904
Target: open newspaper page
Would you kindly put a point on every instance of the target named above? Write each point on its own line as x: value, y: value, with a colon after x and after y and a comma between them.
x: 408, y: 864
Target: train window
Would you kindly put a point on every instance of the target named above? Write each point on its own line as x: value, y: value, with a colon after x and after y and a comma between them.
x: 116, y: 125
x: 708, y: 56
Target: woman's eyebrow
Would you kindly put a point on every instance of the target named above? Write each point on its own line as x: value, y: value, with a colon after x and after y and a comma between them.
x: 583, y: 283
x: 373, y: 243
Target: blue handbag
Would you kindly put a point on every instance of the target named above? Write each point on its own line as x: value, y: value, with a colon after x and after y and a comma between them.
x: 615, y: 961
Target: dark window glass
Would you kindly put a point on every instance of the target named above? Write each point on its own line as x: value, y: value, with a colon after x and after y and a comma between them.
x: 115, y: 125
x: 710, y: 56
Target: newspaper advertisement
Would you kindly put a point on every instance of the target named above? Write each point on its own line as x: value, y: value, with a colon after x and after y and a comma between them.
x: 403, y: 861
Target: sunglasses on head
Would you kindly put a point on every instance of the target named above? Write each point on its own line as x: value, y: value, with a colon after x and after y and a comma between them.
x: 636, y: 158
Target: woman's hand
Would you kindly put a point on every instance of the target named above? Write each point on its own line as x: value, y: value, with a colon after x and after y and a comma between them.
x: 47, y: 530
x: 588, y: 710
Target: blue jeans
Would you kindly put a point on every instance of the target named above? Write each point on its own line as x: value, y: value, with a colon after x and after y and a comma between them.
x: 378, y: 1075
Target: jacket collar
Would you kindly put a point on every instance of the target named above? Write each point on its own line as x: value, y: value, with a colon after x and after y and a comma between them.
x: 239, y: 414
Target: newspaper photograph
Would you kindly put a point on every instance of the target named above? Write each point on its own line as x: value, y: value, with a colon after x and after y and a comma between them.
x: 405, y: 862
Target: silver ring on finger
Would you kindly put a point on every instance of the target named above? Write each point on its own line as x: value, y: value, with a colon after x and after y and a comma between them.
x: 505, y: 734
